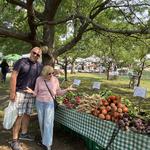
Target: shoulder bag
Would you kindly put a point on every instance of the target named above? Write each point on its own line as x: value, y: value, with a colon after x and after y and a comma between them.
x: 54, y: 98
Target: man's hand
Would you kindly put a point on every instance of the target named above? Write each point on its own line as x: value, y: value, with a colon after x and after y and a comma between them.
x: 12, y: 96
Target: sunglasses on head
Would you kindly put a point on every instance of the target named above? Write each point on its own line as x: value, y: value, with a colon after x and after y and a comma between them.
x: 51, y: 73
x: 34, y: 53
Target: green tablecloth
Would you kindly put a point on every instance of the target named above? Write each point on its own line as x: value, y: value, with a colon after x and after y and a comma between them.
x: 101, y: 131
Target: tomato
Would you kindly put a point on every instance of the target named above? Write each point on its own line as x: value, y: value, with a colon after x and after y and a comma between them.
x: 125, y: 109
x: 108, y: 117
x: 108, y: 108
x: 116, y: 114
x: 112, y: 105
x: 113, y: 97
x: 104, y: 111
x: 105, y: 103
x: 120, y: 105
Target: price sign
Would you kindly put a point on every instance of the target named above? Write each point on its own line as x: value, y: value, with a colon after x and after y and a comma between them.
x: 96, y: 85
x: 76, y: 82
x: 140, y: 91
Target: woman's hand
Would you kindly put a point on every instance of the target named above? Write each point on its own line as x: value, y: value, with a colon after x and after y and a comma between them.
x: 70, y: 88
x: 28, y: 90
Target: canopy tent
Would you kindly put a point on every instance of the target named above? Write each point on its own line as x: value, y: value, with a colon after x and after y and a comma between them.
x: 93, y: 58
x: 12, y: 57
x: 80, y: 60
x: 148, y: 56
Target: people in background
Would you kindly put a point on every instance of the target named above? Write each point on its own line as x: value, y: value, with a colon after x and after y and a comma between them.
x: 4, y: 70
x: 24, y: 74
x: 46, y: 88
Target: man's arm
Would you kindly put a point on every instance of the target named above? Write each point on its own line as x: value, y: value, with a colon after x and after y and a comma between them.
x: 13, y: 81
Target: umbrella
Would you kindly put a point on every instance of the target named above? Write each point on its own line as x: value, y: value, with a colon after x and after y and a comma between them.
x: 12, y: 57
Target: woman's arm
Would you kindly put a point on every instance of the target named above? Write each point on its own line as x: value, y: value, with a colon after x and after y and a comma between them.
x: 60, y: 91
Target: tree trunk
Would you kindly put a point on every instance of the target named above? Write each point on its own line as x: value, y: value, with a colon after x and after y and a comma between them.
x: 48, y: 60
x: 140, y: 73
x: 108, y: 69
x: 73, y: 66
x: 48, y: 48
x: 65, y: 68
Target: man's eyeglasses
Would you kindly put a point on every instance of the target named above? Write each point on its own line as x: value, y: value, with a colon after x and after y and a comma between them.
x: 34, y: 53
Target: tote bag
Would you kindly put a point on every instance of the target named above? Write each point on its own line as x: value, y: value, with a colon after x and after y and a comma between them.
x: 10, y: 115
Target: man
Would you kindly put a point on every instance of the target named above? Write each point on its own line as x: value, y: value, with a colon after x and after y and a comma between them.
x: 24, y: 75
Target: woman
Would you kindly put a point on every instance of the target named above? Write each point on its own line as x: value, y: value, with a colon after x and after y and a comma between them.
x: 45, y: 104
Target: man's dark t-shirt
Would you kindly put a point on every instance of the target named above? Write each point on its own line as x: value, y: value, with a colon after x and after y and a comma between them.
x: 28, y: 71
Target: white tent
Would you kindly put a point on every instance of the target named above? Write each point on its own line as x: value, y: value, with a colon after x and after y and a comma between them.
x: 80, y: 60
x: 148, y: 56
x: 93, y: 58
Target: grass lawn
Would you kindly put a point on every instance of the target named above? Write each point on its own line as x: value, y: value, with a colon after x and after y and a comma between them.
x: 119, y: 86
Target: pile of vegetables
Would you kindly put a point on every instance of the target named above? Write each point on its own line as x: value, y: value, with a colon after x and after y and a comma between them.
x: 88, y: 103
x: 71, y: 100
x: 135, y: 124
x: 110, y: 108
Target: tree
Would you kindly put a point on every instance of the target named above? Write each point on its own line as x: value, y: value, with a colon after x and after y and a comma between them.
x: 140, y: 59
x: 40, y: 23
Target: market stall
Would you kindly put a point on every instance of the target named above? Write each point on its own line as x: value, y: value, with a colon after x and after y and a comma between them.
x: 104, y: 133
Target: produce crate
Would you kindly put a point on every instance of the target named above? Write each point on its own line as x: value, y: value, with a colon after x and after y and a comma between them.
x: 101, y: 132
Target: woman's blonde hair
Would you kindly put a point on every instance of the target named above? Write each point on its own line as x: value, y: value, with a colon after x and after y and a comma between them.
x: 46, y: 70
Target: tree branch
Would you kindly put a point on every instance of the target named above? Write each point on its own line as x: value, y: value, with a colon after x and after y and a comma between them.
x: 73, y: 42
x: 57, y: 22
x: 98, y: 27
x: 6, y: 33
x: 121, y: 31
x: 24, y: 5
x: 18, y: 3
x: 99, y: 8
